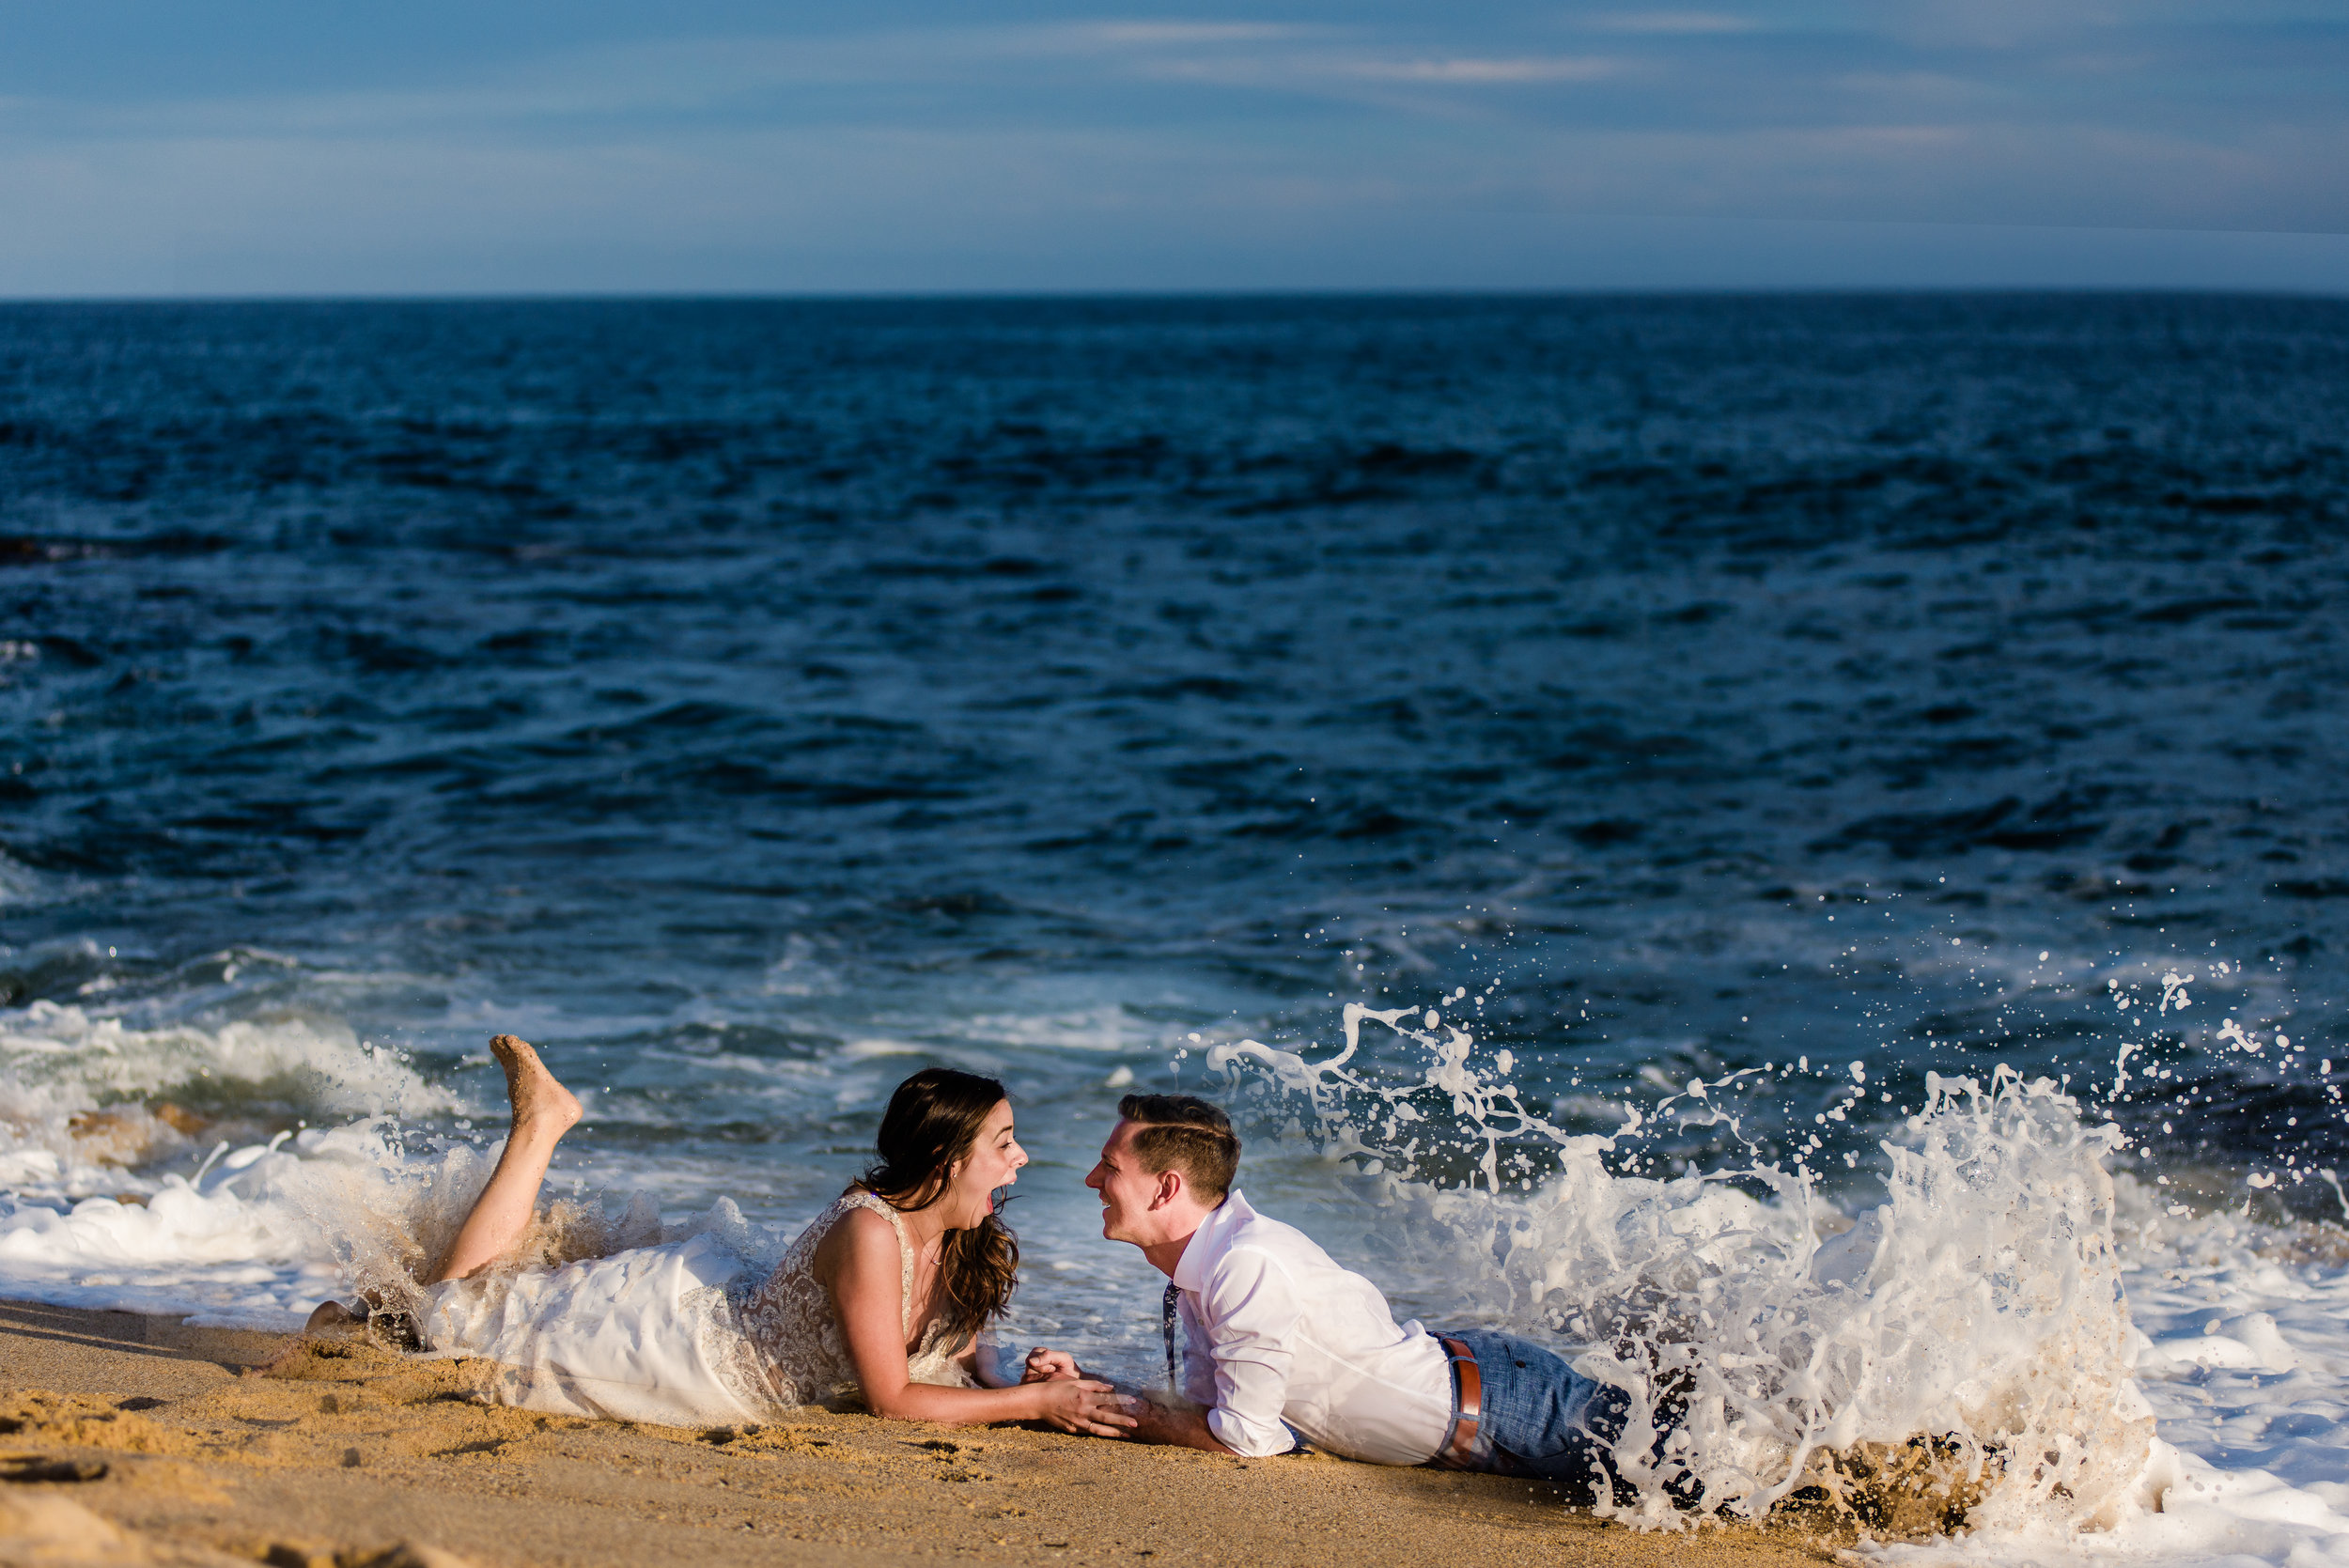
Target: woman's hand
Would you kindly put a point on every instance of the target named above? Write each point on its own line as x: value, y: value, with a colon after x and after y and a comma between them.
x: 1049, y: 1366
x: 1083, y: 1406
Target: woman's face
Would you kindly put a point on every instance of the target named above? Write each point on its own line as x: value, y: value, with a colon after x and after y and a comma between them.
x: 993, y: 1162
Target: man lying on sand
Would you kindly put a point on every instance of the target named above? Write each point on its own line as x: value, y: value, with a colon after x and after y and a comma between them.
x: 1276, y: 1337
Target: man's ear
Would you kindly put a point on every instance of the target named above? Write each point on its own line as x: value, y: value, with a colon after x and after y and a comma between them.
x: 1170, y: 1189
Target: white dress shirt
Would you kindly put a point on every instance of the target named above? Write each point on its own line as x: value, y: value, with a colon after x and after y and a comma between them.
x: 1276, y: 1332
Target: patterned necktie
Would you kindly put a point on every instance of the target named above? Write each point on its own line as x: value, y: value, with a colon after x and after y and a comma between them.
x: 1166, y: 1322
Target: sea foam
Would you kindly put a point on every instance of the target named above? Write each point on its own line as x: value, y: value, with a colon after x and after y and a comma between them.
x: 97, y: 1139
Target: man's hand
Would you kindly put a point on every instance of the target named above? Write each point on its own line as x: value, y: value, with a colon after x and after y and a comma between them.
x: 1049, y: 1366
x: 1186, y: 1428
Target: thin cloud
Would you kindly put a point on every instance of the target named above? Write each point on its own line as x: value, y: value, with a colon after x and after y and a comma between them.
x: 1526, y: 68
x: 694, y: 76
x: 1151, y: 33
x: 1675, y: 23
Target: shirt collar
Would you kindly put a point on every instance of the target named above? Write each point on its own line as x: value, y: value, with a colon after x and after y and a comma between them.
x: 1211, y: 1240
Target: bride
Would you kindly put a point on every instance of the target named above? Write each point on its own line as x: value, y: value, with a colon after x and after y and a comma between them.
x: 879, y: 1302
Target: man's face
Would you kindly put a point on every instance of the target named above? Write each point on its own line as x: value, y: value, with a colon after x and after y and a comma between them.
x: 1126, y: 1191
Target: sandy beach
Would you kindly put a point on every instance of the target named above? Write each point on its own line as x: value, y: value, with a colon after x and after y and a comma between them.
x: 137, y: 1440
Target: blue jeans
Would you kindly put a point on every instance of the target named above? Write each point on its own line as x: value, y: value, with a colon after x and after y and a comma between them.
x: 1541, y: 1418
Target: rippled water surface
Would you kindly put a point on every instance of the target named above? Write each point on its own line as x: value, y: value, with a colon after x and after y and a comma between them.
x: 747, y: 701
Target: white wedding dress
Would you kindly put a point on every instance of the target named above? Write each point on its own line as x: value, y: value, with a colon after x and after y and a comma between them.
x: 681, y: 1334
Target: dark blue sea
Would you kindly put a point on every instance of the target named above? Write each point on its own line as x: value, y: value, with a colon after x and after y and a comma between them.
x: 751, y: 701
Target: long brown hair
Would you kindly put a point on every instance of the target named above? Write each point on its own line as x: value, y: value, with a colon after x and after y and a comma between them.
x: 934, y: 1120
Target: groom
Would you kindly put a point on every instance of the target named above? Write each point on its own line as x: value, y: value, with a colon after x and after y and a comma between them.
x: 1277, y: 1341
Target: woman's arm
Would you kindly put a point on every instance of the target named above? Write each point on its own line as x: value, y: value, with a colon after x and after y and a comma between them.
x: 867, y: 1292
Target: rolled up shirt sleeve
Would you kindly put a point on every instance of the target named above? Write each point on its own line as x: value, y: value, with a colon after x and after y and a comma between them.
x: 1256, y: 1308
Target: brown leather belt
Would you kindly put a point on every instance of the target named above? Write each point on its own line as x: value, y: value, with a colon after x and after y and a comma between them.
x: 1467, y: 1396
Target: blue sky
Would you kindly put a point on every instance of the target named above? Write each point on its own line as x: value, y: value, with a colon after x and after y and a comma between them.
x: 151, y: 148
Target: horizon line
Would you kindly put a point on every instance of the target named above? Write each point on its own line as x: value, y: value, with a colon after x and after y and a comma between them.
x: 1108, y: 293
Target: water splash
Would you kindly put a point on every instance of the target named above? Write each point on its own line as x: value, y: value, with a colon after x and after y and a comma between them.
x: 1966, y: 1340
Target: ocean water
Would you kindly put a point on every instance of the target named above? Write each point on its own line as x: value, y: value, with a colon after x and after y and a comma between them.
x: 1856, y: 780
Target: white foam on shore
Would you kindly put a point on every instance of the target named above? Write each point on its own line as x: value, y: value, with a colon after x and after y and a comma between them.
x: 113, y: 1196
x: 254, y: 1240
x: 2241, y: 1352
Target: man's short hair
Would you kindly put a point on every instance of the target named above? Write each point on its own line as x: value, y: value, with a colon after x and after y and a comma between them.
x: 1183, y: 1132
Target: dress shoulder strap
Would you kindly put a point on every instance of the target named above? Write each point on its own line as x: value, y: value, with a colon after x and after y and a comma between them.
x: 881, y: 1207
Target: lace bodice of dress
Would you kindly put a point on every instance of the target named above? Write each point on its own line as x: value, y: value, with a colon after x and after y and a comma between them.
x: 794, y: 1330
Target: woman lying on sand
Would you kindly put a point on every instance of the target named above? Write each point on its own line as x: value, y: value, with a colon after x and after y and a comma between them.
x: 879, y: 1302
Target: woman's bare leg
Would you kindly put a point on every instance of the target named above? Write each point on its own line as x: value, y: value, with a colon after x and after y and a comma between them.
x: 544, y: 1110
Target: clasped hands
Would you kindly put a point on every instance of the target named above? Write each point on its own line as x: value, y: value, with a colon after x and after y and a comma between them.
x: 1085, y: 1404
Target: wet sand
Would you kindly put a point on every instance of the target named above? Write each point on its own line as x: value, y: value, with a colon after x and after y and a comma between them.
x: 345, y: 1454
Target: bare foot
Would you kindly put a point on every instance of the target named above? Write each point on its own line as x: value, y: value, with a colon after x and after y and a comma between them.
x: 536, y: 1096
